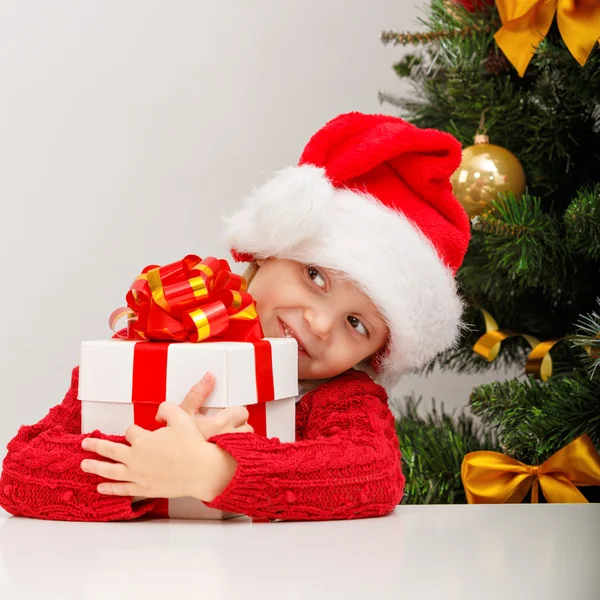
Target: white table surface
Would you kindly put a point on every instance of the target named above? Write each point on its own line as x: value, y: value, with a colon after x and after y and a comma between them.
x: 432, y: 552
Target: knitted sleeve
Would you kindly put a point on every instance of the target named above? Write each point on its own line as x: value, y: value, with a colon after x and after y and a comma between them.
x: 345, y: 463
x: 41, y: 476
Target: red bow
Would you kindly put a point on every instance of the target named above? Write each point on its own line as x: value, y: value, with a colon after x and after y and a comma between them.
x: 190, y: 300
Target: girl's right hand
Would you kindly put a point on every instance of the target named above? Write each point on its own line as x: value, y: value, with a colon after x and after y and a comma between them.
x: 213, y: 421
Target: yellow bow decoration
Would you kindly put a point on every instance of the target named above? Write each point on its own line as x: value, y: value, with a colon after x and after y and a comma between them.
x: 525, y: 23
x: 493, y: 478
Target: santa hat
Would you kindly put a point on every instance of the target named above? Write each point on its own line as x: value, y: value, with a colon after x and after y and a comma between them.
x: 371, y: 197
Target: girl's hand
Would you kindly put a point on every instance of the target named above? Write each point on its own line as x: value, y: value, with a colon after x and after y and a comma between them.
x: 171, y: 462
x: 213, y: 421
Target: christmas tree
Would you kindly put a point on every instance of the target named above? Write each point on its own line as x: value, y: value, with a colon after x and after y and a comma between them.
x: 531, y: 277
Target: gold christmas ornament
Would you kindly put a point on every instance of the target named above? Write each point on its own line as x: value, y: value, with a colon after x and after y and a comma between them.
x: 486, y: 170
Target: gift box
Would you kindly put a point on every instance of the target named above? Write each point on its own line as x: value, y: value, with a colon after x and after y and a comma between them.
x: 122, y: 382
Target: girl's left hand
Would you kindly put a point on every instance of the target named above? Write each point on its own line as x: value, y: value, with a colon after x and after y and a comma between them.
x: 170, y: 462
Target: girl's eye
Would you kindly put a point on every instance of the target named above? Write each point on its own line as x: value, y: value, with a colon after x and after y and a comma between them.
x: 316, y: 276
x: 358, y: 325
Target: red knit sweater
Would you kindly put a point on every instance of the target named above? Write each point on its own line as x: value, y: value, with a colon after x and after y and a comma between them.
x: 345, y: 463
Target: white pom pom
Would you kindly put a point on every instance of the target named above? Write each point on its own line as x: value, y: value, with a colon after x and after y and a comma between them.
x: 286, y: 210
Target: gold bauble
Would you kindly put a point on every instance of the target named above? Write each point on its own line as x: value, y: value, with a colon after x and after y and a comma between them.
x: 486, y: 170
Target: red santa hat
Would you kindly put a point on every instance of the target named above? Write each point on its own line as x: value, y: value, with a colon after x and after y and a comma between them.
x: 371, y: 197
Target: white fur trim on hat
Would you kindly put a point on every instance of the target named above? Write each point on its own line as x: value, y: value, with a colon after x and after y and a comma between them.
x: 300, y: 216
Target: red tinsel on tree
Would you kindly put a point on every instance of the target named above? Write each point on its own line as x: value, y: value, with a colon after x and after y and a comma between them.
x: 473, y: 5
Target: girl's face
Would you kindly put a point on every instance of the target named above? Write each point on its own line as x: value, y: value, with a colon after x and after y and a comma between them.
x: 335, y: 324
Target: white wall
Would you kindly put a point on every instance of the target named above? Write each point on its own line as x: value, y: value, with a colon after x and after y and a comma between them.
x: 128, y: 127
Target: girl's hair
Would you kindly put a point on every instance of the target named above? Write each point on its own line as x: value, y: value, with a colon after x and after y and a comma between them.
x: 250, y: 272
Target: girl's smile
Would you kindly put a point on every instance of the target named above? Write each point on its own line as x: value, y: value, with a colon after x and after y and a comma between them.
x: 286, y: 331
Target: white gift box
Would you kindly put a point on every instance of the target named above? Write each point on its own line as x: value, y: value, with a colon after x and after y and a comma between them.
x: 110, y: 370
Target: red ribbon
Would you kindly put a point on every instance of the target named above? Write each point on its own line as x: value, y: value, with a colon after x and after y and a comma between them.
x: 149, y: 388
x: 190, y: 300
x: 265, y: 390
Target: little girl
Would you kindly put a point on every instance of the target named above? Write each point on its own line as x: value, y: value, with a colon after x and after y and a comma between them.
x: 353, y: 253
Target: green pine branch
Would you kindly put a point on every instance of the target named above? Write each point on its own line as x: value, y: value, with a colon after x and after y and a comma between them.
x: 582, y: 223
x: 535, y: 419
x: 433, y: 448
x: 525, y: 243
x: 541, y: 283
x: 588, y: 339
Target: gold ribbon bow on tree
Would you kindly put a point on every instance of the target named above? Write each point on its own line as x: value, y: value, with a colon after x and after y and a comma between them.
x: 525, y: 23
x: 494, y: 478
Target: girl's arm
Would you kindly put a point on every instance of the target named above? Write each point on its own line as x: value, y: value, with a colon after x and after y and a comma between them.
x: 345, y: 464
x: 41, y: 475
